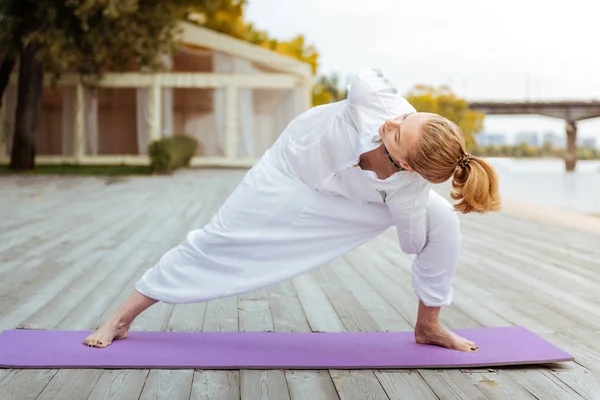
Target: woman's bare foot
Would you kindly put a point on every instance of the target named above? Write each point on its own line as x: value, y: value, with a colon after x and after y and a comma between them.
x: 436, y: 334
x: 117, y: 326
x: 106, y: 333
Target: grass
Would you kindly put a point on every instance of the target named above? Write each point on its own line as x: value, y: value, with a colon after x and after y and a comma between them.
x: 85, y: 170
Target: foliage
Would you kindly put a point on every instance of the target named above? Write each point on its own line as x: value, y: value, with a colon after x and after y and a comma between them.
x: 89, y: 37
x: 227, y: 16
x: 443, y: 101
x: 523, y: 150
x: 327, y: 89
x: 171, y: 153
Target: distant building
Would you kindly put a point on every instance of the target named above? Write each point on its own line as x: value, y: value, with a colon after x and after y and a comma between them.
x: 529, y: 138
x: 557, y: 141
x: 233, y: 97
x: 588, y: 142
x: 489, y: 139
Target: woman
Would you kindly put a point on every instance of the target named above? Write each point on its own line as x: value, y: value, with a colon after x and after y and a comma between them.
x: 338, y: 176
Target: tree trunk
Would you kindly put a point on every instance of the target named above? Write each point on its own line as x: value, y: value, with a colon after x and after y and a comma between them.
x: 571, y: 153
x: 29, y: 101
x: 5, y: 70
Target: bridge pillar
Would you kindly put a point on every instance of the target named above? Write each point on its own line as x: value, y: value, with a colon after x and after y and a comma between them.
x: 571, y: 151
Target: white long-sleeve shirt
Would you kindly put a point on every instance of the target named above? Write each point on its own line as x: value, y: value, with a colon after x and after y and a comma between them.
x: 323, y: 146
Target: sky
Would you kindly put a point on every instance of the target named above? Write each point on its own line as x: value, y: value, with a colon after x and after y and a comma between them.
x: 509, y: 50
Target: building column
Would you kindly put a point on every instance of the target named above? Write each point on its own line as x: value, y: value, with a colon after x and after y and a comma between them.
x: 231, y: 121
x: 79, y: 124
x: 154, y: 111
x: 308, y: 85
x: 571, y: 150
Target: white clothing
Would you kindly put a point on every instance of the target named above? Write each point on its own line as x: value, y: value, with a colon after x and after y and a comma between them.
x: 322, y: 146
x: 306, y: 203
x: 273, y: 228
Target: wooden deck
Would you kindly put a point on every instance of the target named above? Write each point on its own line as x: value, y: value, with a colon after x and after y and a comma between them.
x: 71, y: 248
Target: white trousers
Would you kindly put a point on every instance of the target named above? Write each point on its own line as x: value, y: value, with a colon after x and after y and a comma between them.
x: 273, y: 228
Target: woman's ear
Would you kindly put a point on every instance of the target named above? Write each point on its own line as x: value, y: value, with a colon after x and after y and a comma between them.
x: 405, y: 165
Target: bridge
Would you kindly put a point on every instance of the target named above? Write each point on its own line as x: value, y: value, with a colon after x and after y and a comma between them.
x: 570, y: 111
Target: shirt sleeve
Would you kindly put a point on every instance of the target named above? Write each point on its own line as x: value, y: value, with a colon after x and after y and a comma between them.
x: 408, y: 208
x: 372, y: 99
x: 434, y: 268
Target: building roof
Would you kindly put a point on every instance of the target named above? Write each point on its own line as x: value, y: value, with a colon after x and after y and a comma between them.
x: 196, y: 35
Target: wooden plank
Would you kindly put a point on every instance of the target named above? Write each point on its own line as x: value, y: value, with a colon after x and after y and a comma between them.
x: 310, y: 385
x: 351, y: 312
x: 71, y: 384
x: 263, y: 384
x: 451, y: 384
x: 402, y: 301
x: 586, y: 353
x: 585, y: 384
x: 541, y: 386
x: 384, y: 315
x: 168, y: 384
x: 25, y: 384
x: 187, y: 318
x: 255, y: 316
x: 221, y: 315
x: 216, y: 385
x: 354, y: 385
x: 119, y: 384
x: 258, y: 294
x: 319, y: 312
x: 286, y: 309
x: 4, y: 373
x: 350, y: 384
x: 396, y: 267
x: 498, y: 386
x: 51, y: 282
x: 288, y: 316
x: 404, y: 385
x: 156, y: 318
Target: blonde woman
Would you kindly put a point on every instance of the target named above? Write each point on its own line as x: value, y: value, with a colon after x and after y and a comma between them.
x: 338, y: 176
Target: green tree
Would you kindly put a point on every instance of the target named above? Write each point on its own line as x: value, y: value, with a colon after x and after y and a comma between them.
x: 442, y: 101
x: 88, y: 37
x: 227, y: 16
x: 328, y: 89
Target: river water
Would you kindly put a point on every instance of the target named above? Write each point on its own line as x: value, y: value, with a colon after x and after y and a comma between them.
x: 545, y: 181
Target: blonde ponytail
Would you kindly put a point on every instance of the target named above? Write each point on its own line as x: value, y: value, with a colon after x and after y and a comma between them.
x: 475, y: 186
x: 440, y: 155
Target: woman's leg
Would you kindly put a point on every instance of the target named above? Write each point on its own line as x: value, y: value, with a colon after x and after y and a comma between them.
x: 272, y: 228
x: 117, y: 325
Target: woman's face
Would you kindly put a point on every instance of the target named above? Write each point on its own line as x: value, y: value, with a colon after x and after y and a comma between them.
x: 400, y: 136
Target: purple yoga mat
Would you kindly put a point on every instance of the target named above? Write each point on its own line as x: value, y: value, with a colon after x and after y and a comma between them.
x: 266, y: 350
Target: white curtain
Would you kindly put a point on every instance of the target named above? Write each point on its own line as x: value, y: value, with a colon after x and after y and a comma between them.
x: 68, y: 120
x: 166, y: 102
x: 143, y: 116
x: 91, y: 122
x: 224, y: 63
x: 219, y: 112
x: 167, y: 112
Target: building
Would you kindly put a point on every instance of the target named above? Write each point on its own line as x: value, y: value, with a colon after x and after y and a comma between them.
x: 588, y: 143
x: 491, y: 139
x: 235, y: 98
x: 529, y: 138
x: 555, y: 140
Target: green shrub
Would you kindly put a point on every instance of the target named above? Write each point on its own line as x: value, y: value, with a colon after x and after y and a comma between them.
x: 171, y: 153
